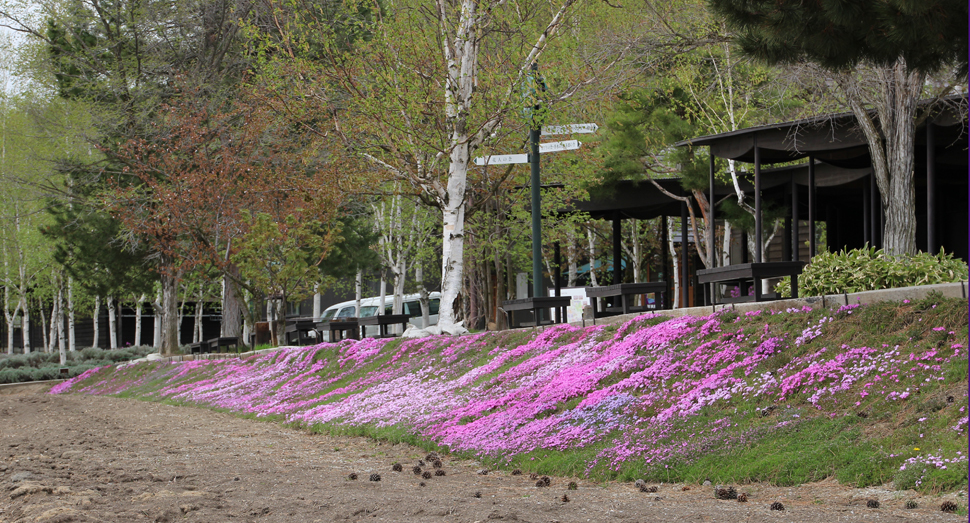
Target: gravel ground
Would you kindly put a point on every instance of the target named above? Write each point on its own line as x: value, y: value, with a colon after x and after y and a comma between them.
x: 99, y: 459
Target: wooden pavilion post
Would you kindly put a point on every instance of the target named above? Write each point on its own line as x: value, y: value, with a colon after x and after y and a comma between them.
x: 685, y: 275
x: 932, y: 244
x: 812, y: 247
x: 758, y: 225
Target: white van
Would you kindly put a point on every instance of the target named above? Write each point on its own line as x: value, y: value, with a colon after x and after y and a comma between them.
x: 369, y: 306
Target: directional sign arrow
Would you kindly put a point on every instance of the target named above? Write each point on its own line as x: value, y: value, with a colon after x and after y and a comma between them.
x: 552, y: 147
x: 580, y: 128
x: 497, y: 159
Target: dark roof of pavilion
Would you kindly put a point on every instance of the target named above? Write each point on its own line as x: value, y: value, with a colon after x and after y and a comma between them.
x: 835, y: 139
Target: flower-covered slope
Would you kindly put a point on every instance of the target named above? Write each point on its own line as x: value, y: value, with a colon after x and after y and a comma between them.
x: 634, y: 393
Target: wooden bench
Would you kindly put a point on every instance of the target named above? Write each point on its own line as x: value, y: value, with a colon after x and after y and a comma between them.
x: 383, y: 321
x: 198, y: 348
x: 537, y: 305
x: 626, y: 292
x: 744, y: 276
x: 300, y: 329
x: 340, y: 329
x: 215, y: 344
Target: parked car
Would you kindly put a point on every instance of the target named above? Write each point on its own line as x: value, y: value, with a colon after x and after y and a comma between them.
x: 369, y: 307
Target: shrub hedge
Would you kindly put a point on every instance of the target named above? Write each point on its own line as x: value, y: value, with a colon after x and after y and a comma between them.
x: 39, y: 366
x: 870, y: 269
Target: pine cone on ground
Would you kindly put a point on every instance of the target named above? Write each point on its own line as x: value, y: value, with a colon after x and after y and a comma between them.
x: 742, y: 498
x: 421, y: 463
x: 540, y: 483
x: 725, y: 492
x: 533, y: 476
x: 777, y: 506
x: 949, y: 507
x: 426, y: 475
x: 546, y: 480
x: 911, y: 504
x: 437, y: 464
x: 483, y: 472
x: 432, y: 456
x: 516, y: 472
x: 564, y: 498
x: 439, y: 472
x: 397, y: 467
x: 477, y: 494
x: 416, y: 469
x: 352, y: 476
x: 572, y: 486
x: 685, y: 488
x: 375, y: 477
x: 872, y: 503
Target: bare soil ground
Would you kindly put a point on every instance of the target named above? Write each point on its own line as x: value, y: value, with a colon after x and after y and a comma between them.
x: 99, y: 459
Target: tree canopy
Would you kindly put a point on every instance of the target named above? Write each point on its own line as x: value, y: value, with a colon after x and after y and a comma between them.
x: 927, y: 34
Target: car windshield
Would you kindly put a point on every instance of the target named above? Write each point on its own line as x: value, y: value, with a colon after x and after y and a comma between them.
x: 327, y: 314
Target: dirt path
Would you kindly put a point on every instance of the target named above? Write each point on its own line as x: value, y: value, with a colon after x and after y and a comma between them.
x: 87, y: 459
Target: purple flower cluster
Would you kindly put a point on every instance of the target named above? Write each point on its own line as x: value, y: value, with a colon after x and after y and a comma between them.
x: 637, y: 390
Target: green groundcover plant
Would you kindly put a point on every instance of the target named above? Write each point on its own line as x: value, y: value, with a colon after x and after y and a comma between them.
x: 869, y: 269
x: 867, y: 394
x: 38, y: 366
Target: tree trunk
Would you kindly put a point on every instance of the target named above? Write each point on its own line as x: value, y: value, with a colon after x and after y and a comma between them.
x: 232, y: 305
x: 25, y: 324
x: 197, y: 327
x: 97, y: 324
x: 157, y: 332
x: 169, y: 313
x: 676, y: 263
x: 138, y: 311
x: 61, y: 342
x: 47, y: 330
x: 891, y: 146
x: 71, y: 338
x: 317, y: 303
x: 112, y: 326
x: 453, y: 238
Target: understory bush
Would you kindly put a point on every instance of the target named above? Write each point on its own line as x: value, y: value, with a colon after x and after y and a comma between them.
x: 38, y: 366
x: 869, y: 269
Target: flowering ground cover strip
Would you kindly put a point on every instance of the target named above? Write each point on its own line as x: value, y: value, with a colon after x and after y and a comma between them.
x: 650, y: 392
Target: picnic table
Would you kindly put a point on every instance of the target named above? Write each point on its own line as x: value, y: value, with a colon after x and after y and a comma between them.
x: 300, y: 329
x: 382, y: 321
x: 340, y: 329
x: 537, y: 305
x: 746, y: 275
x: 626, y: 292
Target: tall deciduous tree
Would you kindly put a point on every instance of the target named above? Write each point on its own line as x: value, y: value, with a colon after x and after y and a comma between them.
x: 879, y: 53
x: 425, y: 88
x: 202, y: 167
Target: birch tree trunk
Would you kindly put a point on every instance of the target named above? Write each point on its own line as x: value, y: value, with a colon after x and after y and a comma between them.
x: 676, y: 263
x: 97, y: 324
x: 47, y: 331
x: 25, y: 323
x: 112, y: 325
x: 138, y: 311
x: 197, y: 326
x: 71, y: 338
x: 572, y: 256
x: 157, y: 331
x: 61, y: 342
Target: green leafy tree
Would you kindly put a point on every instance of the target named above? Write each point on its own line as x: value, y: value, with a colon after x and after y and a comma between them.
x: 280, y: 258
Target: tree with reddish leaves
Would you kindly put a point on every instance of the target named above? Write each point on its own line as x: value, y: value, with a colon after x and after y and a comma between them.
x: 186, y: 183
